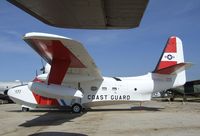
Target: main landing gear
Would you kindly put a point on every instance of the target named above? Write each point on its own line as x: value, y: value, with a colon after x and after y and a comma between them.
x: 76, y: 108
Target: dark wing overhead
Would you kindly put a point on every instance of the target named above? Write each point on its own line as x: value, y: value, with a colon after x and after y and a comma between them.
x: 86, y: 14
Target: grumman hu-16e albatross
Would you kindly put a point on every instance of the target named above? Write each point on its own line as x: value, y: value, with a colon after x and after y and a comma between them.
x: 74, y: 80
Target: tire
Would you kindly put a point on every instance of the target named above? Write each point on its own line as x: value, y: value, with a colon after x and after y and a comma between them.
x: 76, y: 108
x: 172, y: 99
x: 24, y: 109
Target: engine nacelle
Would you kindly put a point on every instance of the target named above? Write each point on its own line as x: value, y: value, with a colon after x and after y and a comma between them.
x: 54, y: 91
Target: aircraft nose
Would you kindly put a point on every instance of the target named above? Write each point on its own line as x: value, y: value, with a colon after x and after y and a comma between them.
x: 10, y: 92
x: 5, y: 92
x: 30, y: 85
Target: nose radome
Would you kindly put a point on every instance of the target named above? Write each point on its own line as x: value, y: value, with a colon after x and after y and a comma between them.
x: 10, y: 92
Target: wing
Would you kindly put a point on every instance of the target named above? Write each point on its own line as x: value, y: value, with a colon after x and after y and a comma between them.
x: 89, y: 14
x: 69, y: 60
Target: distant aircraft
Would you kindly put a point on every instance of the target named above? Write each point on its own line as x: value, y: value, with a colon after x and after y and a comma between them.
x: 7, y: 85
x: 190, y: 88
x: 74, y: 80
x: 4, y: 86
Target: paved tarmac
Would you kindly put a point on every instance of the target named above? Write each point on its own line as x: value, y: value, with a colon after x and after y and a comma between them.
x: 152, y: 119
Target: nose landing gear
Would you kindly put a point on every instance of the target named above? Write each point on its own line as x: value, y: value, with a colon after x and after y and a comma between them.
x: 76, y: 108
x: 24, y: 109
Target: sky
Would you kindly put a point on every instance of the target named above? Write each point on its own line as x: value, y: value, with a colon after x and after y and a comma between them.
x: 128, y: 52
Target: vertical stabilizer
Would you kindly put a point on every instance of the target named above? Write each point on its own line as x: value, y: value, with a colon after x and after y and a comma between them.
x: 172, y: 54
x: 172, y: 62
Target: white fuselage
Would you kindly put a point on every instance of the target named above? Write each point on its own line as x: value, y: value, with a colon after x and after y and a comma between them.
x: 96, y: 93
x: 74, y: 80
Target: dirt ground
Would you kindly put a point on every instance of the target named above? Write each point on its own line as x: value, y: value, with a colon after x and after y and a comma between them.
x: 154, y: 118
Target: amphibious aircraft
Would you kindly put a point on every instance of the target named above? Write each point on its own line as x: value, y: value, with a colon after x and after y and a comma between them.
x: 74, y: 80
x: 7, y: 85
x: 4, y: 86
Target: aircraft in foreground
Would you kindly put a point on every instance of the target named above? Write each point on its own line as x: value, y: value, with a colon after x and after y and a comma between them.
x: 74, y: 80
x: 85, y: 14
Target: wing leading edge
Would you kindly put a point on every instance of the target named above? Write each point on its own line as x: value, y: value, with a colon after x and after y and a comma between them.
x: 66, y: 56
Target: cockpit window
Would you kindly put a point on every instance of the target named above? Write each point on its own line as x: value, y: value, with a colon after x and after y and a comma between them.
x: 104, y: 88
x: 117, y: 79
x: 114, y: 88
x: 94, y: 88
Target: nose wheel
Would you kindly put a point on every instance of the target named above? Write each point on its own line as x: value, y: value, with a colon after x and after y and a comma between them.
x: 76, y: 108
x: 24, y: 109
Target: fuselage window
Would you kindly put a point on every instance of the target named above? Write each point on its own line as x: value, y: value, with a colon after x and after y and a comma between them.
x: 135, y: 89
x: 104, y: 88
x: 94, y: 88
x: 114, y: 88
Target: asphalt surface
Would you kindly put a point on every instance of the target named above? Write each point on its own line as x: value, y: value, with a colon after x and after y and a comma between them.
x: 152, y: 119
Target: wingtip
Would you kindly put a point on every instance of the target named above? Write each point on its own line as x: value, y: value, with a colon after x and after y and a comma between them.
x: 40, y: 35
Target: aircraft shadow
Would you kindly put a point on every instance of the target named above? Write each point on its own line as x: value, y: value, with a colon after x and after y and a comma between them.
x: 14, y: 111
x: 181, y: 100
x: 193, y: 100
x: 57, y: 134
x: 146, y: 108
x: 42, y: 110
x: 51, y: 118
x: 135, y: 108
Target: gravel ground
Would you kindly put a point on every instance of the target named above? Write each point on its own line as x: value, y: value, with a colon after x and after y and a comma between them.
x: 154, y: 118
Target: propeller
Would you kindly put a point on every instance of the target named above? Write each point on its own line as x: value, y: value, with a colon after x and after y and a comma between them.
x: 36, y: 73
x: 43, y: 67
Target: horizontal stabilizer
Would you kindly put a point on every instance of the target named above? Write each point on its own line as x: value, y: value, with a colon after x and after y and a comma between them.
x: 174, y: 69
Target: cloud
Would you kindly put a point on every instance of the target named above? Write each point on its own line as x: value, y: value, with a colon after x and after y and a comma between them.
x: 189, y: 6
x: 101, y: 38
x: 8, y: 44
x: 8, y: 47
x: 13, y: 33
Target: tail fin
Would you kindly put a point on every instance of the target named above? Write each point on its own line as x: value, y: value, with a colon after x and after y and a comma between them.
x: 172, y: 54
x: 172, y: 58
x: 172, y: 63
